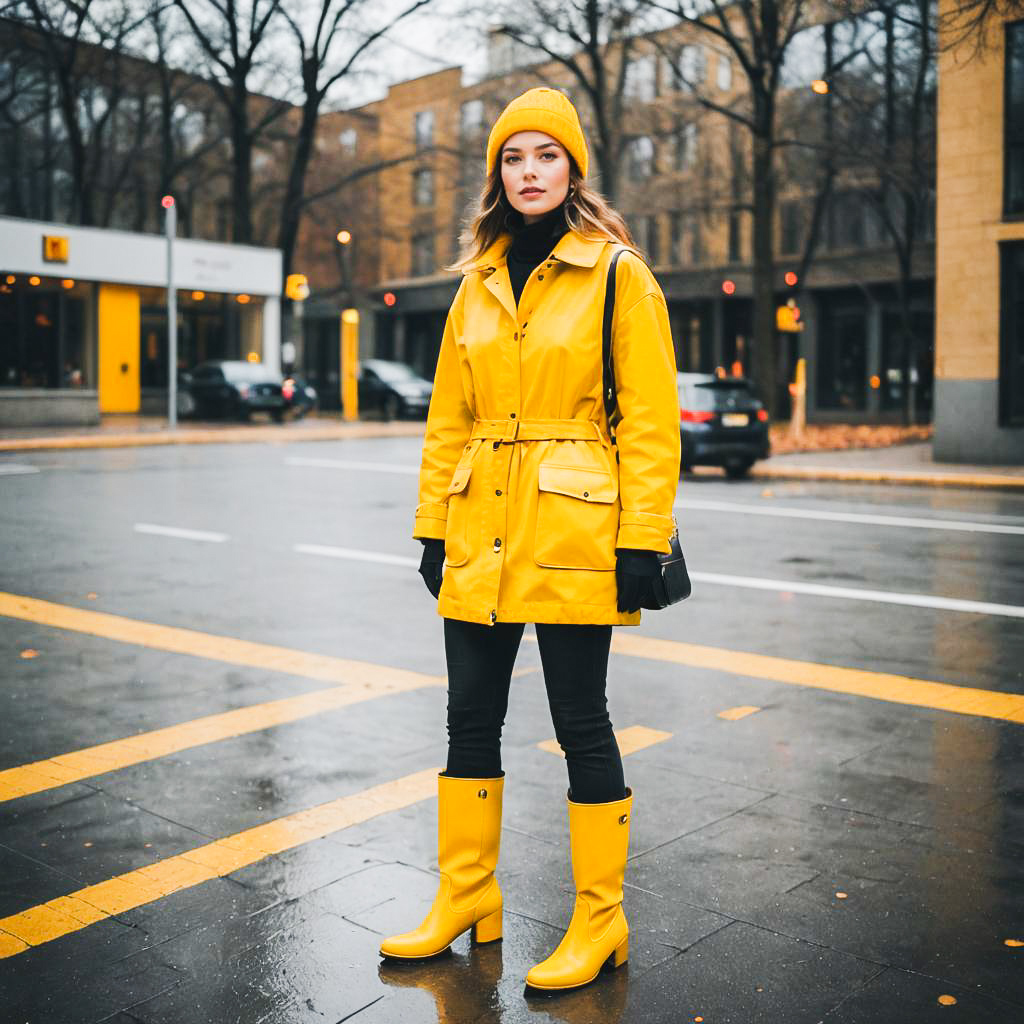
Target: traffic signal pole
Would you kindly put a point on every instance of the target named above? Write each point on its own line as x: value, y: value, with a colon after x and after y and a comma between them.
x: 170, y: 223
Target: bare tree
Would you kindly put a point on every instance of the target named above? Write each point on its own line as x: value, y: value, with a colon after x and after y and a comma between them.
x: 967, y: 22
x: 233, y: 37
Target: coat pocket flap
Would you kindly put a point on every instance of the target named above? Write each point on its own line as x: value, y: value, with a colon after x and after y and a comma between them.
x: 459, y: 479
x: 578, y: 482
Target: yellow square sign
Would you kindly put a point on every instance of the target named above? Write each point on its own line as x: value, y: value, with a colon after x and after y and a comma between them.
x: 56, y: 248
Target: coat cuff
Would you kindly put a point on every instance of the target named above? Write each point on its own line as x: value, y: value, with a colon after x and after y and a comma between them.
x: 431, y: 521
x: 645, y: 530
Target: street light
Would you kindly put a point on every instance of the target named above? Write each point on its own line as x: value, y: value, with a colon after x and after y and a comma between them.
x: 344, y: 236
x: 819, y: 86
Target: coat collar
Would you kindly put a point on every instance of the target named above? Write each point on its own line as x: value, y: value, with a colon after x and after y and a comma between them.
x: 572, y: 248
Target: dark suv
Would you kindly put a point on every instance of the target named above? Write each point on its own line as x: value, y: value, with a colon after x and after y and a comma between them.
x: 721, y: 423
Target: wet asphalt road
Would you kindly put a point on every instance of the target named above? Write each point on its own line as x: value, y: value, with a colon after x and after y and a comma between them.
x: 745, y: 829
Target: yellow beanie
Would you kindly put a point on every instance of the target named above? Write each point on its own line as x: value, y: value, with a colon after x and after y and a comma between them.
x: 540, y: 110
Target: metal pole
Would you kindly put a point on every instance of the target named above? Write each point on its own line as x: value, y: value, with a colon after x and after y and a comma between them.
x: 172, y: 316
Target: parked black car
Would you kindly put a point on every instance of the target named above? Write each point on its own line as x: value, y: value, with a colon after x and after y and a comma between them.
x: 394, y: 389
x: 721, y: 423
x: 236, y: 389
x: 299, y: 396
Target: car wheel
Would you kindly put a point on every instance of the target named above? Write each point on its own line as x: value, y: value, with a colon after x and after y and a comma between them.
x: 392, y: 407
x: 739, y: 469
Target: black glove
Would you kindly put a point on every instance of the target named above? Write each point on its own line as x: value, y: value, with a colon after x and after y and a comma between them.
x: 635, y: 571
x: 430, y: 564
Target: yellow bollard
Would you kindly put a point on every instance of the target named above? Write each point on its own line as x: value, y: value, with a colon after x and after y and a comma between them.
x: 350, y: 364
x: 798, y: 392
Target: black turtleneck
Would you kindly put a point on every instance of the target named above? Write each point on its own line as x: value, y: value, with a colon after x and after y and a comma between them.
x: 531, y: 245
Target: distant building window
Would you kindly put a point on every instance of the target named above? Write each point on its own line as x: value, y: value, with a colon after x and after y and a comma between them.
x: 423, y: 255
x: 640, y: 157
x: 424, y: 128
x: 423, y: 187
x: 471, y: 120
x: 1011, y: 348
x: 686, y: 243
x: 348, y: 139
x: 641, y: 83
x: 791, y: 234
x: 1014, y: 119
x: 686, y: 146
x: 847, y: 221
x: 691, y: 67
x: 735, y: 236
x: 653, y: 241
x: 724, y: 77
x: 675, y: 238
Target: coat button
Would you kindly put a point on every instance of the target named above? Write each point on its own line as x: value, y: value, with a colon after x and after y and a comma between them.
x: 511, y: 415
x: 623, y: 819
x: 497, y: 543
x: 482, y: 794
x: 515, y: 337
x: 498, y: 493
x: 540, y: 277
x: 497, y: 445
x: 586, y: 494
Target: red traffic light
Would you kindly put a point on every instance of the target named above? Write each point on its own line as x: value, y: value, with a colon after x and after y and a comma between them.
x: 728, y: 287
x: 791, y: 278
x: 167, y: 202
x: 389, y: 299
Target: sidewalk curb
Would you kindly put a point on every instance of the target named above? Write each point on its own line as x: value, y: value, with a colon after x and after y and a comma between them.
x: 910, y: 478
x: 231, y: 435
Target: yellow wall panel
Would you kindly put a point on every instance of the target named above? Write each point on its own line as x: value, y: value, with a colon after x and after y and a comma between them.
x: 119, y: 348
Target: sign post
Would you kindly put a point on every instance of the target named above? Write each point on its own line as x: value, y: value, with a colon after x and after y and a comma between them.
x: 170, y: 224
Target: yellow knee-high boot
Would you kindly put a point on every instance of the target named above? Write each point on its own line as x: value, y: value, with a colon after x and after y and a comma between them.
x: 468, y: 837
x: 598, y: 932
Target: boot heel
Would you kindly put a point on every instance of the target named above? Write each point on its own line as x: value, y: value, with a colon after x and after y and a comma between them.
x: 488, y: 929
x: 620, y: 956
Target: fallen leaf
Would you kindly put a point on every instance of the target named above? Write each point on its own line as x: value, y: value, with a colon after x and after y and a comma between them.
x: 840, y: 895
x: 947, y: 1000
x: 1015, y: 943
x: 30, y: 652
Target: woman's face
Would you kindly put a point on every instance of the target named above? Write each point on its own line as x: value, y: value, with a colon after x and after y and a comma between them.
x: 535, y: 173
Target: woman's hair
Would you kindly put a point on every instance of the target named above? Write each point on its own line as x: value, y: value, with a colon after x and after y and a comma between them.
x: 586, y: 211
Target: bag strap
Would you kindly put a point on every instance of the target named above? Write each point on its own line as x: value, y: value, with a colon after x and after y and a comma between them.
x: 608, y: 374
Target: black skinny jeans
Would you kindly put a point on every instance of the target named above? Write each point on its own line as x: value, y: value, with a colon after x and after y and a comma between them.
x: 575, y: 662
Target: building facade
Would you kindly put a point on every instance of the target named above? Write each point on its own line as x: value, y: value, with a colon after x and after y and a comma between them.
x: 979, y: 364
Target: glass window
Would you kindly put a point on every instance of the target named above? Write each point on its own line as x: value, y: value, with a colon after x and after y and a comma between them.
x: 422, y: 255
x: 691, y: 67
x: 640, y: 157
x: 735, y: 236
x: 846, y: 228
x: 1011, y: 354
x: 471, y: 120
x: 348, y: 139
x: 423, y: 187
x: 686, y: 146
x: 791, y: 234
x: 842, y: 360
x: 424, y: 127
x: 724, y: 77
x: 641, y: 78
x: 675, y: 238
x: 653, y: 240
x: 1014, y: 142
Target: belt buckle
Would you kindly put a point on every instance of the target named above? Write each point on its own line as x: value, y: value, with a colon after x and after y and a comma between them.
x: 511, y: 431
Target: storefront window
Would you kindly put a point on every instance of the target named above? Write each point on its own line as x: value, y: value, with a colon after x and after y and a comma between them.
x: 43, y: 326
x: 894, y: 377
x: 1011, y: 368
x: 1014, y: 124
x: 842, y: 363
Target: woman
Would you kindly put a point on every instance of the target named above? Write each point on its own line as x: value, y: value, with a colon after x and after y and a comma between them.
x: 537, y: 517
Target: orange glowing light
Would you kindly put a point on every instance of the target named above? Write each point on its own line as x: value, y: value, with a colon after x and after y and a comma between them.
x: 253, y: 357
x: 729, y: 287
x: 791, y: 278
x: 167, y: 202
x: 34, y: 281
x: 243, y: 299
x: 67, y: 284
x: 876, y: 382
x: 344, y: 237
x: 819, y: 86
x: 11, y: 279
x: 389, y: 299
x: 198, y: 296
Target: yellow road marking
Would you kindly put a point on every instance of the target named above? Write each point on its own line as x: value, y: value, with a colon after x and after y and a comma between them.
x: 735, y: 714
x: 922, y: 693
x: 208, y: 645
x: 636, y: 737
x: 107, y: 757
x: 71, y: 913
x: 65, y: 914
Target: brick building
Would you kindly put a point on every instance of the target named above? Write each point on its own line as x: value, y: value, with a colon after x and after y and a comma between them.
x: 979, y: 358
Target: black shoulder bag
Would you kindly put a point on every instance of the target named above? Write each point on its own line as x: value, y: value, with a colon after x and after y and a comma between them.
x: 674, y: 583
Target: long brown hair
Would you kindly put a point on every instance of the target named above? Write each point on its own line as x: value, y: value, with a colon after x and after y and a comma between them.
x: 586, y: 211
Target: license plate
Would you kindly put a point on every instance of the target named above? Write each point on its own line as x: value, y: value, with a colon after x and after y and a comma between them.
x: 735, y: 419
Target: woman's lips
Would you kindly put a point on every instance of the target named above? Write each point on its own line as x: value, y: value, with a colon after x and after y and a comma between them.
x: 530, y: 192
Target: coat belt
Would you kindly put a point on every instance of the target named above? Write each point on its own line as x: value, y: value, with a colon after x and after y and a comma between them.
x: 508, y: 431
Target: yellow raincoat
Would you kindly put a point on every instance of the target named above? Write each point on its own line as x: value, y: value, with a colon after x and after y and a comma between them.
x: 518, y: 475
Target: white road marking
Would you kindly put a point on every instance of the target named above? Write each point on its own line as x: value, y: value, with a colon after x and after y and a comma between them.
x: 357, y: 555
x: 851, y: 593
x: 16, y: 469
x: 915, y: 522
x: 375, y: 467
x: 176, y: 531
x: 750, y: 582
